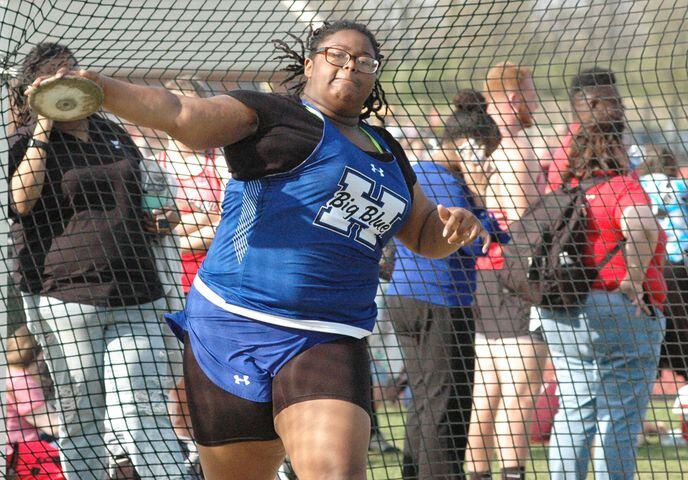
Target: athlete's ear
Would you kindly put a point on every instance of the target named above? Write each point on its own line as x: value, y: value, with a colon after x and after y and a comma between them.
x: 308, y: 67
x: 515, y: 99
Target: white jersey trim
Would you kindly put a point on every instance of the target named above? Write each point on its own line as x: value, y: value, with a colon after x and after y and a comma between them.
x: 310, y: 325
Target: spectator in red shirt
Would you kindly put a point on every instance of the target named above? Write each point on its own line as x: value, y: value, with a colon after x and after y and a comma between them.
x: 606, y: 351
x: 201, y: 177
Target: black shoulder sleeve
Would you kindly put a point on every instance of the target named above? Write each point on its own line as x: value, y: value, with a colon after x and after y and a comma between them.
x: 400, y: 155
x: 287, y: 133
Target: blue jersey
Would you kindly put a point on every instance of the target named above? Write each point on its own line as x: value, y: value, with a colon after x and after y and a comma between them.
x: 449, y: 281
x: 301, y: 248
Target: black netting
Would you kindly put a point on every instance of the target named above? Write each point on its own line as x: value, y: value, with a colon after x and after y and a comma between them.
x: 547, y: 357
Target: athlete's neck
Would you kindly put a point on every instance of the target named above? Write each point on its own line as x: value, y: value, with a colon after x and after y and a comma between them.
x: 340, y: 120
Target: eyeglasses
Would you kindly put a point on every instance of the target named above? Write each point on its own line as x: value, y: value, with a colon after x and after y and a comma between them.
x: 339, y: 58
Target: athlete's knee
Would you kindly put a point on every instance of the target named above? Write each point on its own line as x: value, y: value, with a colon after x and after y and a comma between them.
x: 242, y: 460
x: 330, y: 464
x: 330, y: 470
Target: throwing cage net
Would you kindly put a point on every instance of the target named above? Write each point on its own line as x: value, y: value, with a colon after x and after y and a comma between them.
x: 106, y: 222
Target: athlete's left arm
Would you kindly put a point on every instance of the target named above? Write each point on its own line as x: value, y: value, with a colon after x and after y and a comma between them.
x: 436, y: 231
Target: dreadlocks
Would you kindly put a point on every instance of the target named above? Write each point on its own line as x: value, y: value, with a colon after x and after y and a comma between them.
x: 296, y: 82
x: 36, y: 58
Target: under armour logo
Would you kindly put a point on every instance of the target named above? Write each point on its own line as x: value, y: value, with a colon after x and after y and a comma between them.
x: 377, y: 170
x: 243, y: 379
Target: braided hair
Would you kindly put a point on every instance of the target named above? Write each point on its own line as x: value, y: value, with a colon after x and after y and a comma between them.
x: 30, y: 69
x: 295, y: 80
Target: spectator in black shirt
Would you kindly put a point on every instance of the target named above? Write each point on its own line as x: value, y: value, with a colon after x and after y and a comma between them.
x: 84, y: 264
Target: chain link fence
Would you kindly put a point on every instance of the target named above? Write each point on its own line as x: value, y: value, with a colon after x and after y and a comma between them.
x: 467, y: 374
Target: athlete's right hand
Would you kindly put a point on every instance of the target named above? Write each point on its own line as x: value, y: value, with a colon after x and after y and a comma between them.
x: 65, y: 73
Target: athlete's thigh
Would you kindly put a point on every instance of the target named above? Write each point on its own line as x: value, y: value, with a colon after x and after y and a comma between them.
x: 325, y: 438
x: 236, y: 437
x: 321, y: 401
x: 242, y: 461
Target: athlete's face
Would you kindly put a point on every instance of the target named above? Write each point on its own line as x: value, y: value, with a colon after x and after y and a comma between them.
x: 341, y: 89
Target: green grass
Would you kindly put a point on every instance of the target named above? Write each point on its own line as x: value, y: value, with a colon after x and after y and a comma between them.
x: 654, y: 462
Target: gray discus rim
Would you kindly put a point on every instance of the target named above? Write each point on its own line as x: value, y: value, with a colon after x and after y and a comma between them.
x: 67, y: 99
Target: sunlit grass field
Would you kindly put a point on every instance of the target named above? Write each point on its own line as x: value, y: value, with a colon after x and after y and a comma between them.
x: 654, y: 461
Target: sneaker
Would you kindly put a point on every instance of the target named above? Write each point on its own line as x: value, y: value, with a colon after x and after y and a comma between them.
x: 192, y: 465
x: 285, y: 471
x: 379, y: 444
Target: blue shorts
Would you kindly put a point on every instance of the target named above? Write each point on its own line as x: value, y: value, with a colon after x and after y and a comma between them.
x: 239, y: 354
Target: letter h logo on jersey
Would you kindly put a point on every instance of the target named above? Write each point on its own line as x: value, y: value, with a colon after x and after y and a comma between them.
x: 356, y: 210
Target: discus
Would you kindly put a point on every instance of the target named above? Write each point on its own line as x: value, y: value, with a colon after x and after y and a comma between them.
x: 67, y: 99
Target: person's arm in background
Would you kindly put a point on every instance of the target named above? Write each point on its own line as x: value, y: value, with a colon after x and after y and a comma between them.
x: 514, y: 185
x: 477, y: 178
x: 26, y: 183
x: 559, y: 162
x: 27, y: 395
x: 199, y: 239
x: 641, y: 231
x: 191, y: 222
x: 196, y: 230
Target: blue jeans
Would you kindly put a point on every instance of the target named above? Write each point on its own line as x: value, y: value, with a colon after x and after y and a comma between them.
x: 606, y: 362
x: 111, y: 363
